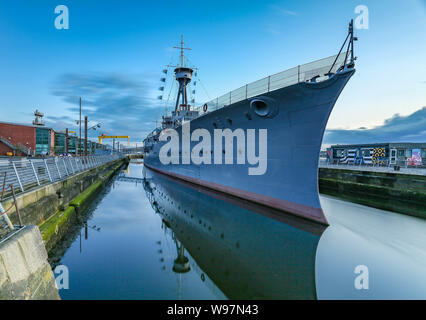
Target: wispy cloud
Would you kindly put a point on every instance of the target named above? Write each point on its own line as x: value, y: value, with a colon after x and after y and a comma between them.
x: 273, y: 31
x: 123, y: 104
x: 283, y: 11
x: 411, y: 128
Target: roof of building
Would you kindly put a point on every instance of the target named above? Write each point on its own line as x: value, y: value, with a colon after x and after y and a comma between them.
x: 394, y: 144
x: 24, y: 125
x: 41, y: 127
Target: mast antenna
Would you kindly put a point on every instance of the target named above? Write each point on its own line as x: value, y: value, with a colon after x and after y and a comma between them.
x: 182, y: 48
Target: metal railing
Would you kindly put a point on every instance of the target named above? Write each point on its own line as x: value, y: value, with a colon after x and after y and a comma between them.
x: 24, y: 174
x: 302, y: 73
x: 382, y: 166
x: 132, y: 150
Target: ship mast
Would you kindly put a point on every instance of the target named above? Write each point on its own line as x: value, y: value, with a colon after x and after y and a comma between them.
x: 184, y: 77
x: 350, y: 48
x: 182, y: 48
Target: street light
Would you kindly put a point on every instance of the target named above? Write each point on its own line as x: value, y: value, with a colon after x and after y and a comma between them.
x: 86, y: 129
x: 96, y: 126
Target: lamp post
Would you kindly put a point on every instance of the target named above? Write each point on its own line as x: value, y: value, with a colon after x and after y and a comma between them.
x: 85, y: 135
x: 86, y: 129
x: 79, y: 143
x: 66, y: 141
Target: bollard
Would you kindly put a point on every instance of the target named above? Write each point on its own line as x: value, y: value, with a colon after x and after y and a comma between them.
x: 5, y: 217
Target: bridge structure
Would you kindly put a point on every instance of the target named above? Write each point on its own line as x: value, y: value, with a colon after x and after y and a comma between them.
x: 132, y: 150
x: 130, y: 179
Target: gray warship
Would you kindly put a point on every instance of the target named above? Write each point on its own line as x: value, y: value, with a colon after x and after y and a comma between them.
x: 286, y: 113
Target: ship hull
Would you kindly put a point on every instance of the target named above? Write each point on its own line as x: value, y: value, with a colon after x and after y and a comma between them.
x: 294, y: 136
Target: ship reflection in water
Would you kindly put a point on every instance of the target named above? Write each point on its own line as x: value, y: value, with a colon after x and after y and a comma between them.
x: 245, y: 254
x: 248, y: 255
x: 155, y: 238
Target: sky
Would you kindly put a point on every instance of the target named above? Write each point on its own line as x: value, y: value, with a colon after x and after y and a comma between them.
x: 113, y: 53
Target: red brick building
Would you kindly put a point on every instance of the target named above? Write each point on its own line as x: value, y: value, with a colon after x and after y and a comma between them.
x: 23, y: 140
x: 17, y: 139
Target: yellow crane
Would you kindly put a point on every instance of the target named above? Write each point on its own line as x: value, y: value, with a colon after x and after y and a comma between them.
x: 114, y: 137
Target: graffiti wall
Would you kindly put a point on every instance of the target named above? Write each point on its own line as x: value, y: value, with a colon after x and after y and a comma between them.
x: 416, y: 158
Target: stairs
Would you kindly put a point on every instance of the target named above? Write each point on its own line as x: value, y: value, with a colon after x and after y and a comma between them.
x: 20, y: 147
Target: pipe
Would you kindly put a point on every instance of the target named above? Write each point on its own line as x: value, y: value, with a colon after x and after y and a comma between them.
x: 16, y: 206
x: 6, y: 218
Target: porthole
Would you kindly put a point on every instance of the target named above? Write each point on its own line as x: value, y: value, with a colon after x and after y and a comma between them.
x: 260, y: 107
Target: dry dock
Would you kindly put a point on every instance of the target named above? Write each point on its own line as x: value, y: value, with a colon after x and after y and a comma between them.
x: 401, y: 191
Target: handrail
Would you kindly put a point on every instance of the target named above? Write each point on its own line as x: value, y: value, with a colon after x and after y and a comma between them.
x: 302, y: 73
x: 24, y: 174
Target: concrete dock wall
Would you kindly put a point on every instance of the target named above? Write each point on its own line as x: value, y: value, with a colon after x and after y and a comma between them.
x: 58, y: 224
x: 403, y: 193
x: 55, y: 207
x: 24, y: 270
x: 38, y: 205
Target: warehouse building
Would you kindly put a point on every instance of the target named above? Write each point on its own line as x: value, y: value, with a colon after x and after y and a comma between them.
x: 399, y: 153
x: 22, y: 140
x: 37, y: 140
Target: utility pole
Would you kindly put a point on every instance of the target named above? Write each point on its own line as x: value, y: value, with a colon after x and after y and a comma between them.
x: 113, y: 145
x: 79, y: 143
x: 85, y: 135
x: 66, y: 141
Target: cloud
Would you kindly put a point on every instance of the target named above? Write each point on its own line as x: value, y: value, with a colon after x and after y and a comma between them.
x: 273, y: 31
x: 123, y: 104
x: 283, y: 11
x: 411, y: 128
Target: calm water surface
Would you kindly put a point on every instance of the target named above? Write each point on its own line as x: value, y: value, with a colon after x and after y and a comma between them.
x: 162, y: 240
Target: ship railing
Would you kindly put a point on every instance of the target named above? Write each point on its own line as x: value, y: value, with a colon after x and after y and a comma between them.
x: 24, y: 174
x: 321, y: 69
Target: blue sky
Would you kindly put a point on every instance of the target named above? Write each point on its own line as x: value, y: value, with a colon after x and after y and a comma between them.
x: 114, y: 51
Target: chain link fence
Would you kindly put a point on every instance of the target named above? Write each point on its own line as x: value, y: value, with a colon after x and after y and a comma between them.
x: 26, y: 173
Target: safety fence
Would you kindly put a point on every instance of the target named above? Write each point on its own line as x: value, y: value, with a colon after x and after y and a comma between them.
x: 22, y: 174
x: 404, y: 167
x: 312, y: 72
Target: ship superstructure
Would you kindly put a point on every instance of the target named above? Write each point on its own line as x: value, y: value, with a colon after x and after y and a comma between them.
x: 278, y: 121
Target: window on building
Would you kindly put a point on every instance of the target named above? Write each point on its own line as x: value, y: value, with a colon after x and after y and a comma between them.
x: 72, y: 145
x: 423, y: 153
x: 339, y: 153
x: 408, y: 153
x: 401, y: 153
x: 42, y: 141
x: 365, y: 152
x: 59, y: 143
